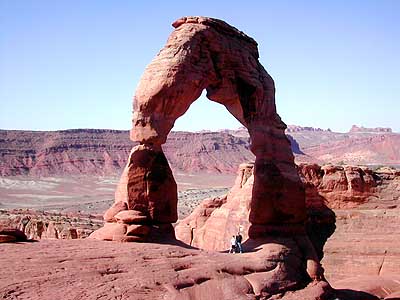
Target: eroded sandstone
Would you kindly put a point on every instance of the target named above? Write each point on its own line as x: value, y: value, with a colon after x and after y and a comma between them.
x: 34, y: 225
x: 208, y: 54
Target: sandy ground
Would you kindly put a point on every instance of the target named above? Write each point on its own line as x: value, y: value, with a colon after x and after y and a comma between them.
x: 93, y: 194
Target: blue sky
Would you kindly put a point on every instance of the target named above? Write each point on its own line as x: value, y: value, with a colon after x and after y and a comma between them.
x: 76, y: 64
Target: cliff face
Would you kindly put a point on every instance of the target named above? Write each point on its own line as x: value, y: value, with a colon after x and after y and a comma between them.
x: 357, y: 148
x: 105, y: 152
x: 338, y: 186
x: 353, y: 218
x: 80, y: 151
x: 102, y: 152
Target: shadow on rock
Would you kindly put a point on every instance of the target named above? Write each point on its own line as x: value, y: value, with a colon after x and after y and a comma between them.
x: 320, y: 225
x: 347, y: 294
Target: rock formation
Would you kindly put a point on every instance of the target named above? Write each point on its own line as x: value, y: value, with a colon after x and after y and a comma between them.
x: 355, y: 128
x: 91, y: 269
x: 296, y: 128
x: 338, y: 186
x: 204, y: 53
x: 104, y: 152
x: 36, y: 225
x: 344, y: 203
x: 328, y: 187
x: 214, y: 221
x: 11, y: 235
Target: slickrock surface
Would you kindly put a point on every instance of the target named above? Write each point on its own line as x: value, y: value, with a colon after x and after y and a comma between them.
x: 90, y: 269
x: 366, y: 205
x: 365, y: 242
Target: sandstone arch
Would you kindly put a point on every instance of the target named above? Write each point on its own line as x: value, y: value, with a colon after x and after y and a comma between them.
x: 204, y: 53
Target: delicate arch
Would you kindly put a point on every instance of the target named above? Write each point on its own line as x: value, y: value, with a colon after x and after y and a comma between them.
x: 204, y: 53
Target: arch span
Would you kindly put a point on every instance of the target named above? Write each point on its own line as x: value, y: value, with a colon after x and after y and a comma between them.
x: 208, y: 54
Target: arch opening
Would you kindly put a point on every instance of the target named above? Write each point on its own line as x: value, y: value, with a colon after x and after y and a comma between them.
x: 205, y: 114
x: 208, y: 54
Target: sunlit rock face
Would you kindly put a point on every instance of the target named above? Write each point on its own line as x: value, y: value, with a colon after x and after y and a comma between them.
x: 205, y: 53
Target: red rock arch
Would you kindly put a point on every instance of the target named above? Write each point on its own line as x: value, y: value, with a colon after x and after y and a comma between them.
x: 204, y: 53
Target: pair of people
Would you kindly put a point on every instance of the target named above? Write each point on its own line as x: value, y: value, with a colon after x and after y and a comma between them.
x: 236, y: 244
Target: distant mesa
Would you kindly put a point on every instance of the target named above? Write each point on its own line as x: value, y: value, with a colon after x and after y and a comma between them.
x: 295, y: 128
x: 104, y: 152
x: 355, y: 129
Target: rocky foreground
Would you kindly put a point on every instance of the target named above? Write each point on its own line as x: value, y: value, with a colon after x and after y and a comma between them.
x: 361, y: 253
x: 88, y: 269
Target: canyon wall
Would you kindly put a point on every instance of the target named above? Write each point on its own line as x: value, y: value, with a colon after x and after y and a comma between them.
x: 104, y: 152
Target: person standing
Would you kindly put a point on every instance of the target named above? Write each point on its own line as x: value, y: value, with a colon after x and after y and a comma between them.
x: 238, y: 239
x: 233, y: 245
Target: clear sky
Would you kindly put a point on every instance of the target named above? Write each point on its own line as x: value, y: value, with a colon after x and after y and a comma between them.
x: 75, y: 64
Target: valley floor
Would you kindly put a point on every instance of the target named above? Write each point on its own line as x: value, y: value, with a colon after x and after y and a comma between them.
x: 94, y: 194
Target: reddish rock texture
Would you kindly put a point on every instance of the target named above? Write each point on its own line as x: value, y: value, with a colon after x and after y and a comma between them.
x: 211, y: 225
x: 380, y: 286
x: 104, y: 152
x: 43, y: 225
x: 338, y: 186
x: 204, y: 53
x: 344, y: 187
x: 328, y: 187
x: 356, y: 237
x: 366, y: 208
x: 77, y: 151
x: 214, y: 221
x: 148, y: 186
x: 360, y: 148
x: 89, y: 269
